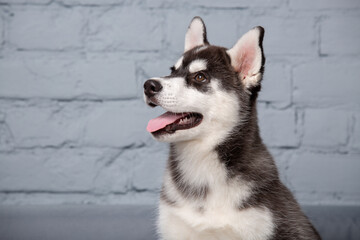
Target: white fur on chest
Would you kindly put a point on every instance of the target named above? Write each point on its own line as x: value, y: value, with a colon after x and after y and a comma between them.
x: 184, y: 223
x: 218, y: 215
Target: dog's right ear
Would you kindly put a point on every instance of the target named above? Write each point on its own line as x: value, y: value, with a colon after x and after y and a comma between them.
x: 196, y: 34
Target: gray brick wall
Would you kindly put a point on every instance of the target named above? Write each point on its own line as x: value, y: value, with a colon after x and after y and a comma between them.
x: 72, y: 120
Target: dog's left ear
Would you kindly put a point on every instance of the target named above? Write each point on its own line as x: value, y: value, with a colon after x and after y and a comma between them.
x: 247, y: 57
x: 196, y: 34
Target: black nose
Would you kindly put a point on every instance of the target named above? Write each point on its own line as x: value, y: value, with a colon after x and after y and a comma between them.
x: 152, y: 87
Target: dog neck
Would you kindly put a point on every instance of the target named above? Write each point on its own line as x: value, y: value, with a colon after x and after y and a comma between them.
x: 195, y: 165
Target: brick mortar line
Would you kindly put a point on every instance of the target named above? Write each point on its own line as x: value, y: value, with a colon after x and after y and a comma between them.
x: 294, y: 149
x: 69, y: 100
x: 85, y: 192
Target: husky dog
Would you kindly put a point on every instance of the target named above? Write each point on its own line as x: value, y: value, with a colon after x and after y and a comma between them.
x: 220, y: 182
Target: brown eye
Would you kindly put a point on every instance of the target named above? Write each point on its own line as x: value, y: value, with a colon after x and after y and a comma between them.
x: 200, y: 77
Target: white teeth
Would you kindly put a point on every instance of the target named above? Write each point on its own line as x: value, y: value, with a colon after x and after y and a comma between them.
x: 185, y: 120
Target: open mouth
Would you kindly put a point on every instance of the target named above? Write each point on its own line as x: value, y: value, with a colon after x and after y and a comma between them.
x: 170, y: 122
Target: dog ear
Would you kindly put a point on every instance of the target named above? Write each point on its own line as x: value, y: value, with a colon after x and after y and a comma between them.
x: 247, y: 57
x: 196, y: 34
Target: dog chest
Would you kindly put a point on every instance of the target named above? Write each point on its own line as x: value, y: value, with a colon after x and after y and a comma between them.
x: 217, y: 215
x: 222, y: 222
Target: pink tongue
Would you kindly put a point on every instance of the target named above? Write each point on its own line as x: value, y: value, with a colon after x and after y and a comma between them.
x: 163, y: 120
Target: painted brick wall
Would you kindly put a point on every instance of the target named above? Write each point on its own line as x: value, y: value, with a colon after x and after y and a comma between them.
x: 72, y: 120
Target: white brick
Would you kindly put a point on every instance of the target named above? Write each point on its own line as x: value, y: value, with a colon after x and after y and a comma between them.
x: 119, y: 124
x: 91, y: 2
x: 26, y: 1
x: 319, y: 173
x: 46, y: 28
x: 123, y: 29
x: 149, y: 167
x: 340, y: 35
x: 293, y: 35
x: 2, y: 117
x: 64, y: 79
x: 325, y: 128
x: 215, y: 4
x: 355, y: 143
x: 316, y: 5
x: 327, y: 82
x: 2, y: 29
x: 239, y: 4
x: 6, y: 138
x: 139, y: 168
x: 276, y: 85
x: 46, y: 124
x: 114, y: 124
x: 278, y: 127
x: 115, y: 171
x: 48, y: 170
x: 75, y: 199
x: 216, y: 32
x: 157, y: 68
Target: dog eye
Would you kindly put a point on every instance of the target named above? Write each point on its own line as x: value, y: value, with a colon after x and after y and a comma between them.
x: 200, y: 77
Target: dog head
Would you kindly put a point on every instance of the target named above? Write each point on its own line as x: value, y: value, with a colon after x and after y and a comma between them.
x: 209, y: 90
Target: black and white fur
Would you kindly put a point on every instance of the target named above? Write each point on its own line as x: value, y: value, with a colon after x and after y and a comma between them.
x: 221, y: 182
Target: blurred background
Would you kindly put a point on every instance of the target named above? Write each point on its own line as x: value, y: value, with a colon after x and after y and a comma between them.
x: 72, y: 118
